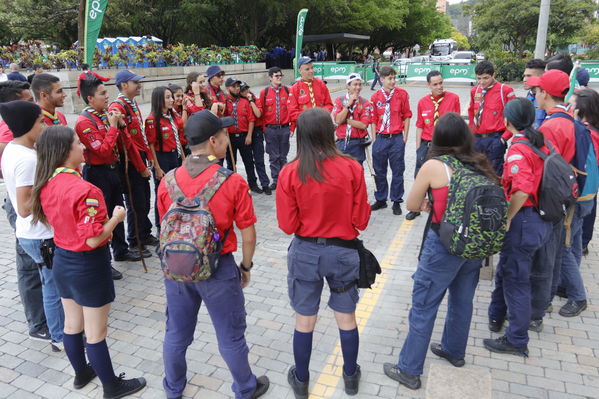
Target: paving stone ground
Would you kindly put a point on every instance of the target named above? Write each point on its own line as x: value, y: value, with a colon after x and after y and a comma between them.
x: 563, y: 362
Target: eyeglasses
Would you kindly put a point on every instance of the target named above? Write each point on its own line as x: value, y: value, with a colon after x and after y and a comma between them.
x: 278, y: 76
x: 220, y: 75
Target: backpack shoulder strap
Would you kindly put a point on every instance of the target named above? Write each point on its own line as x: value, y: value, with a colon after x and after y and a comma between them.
x: 215, y: 182
x: 453, y: 162
x: 562, y: 115
x: 536, y: 150
x: 286, y: 89
x: 265, y: 95
x: 122, y: 104
x: 89, y: 116
x: 174, y: 191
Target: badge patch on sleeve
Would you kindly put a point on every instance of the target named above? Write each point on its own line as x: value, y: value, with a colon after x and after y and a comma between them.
x: 514, y: 169
x: 515, y: 157
x: 91, y: 211
x: 92, y: 202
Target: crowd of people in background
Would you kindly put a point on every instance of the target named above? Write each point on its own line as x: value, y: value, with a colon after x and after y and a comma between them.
x: 70, y: 191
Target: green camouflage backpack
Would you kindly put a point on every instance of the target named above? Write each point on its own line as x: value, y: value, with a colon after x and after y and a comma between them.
x: 474, y: 222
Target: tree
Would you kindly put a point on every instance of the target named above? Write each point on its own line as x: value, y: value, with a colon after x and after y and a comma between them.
x: 460, y: 39
x: 512, y: 24
x: 590, y: 35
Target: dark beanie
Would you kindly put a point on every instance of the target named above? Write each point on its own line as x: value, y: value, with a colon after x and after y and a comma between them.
x: 20, y: 116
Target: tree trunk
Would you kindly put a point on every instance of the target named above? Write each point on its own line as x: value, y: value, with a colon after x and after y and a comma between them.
x: 81, y: 24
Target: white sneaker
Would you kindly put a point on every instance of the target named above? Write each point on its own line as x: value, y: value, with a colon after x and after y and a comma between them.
x: 57, y: 346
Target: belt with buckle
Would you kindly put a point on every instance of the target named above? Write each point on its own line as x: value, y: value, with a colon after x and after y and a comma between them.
x: 352, y: 139
x: 278, y: 126
x: 487, y: 135
x: 238, y: 134
x: 338, y: 242
x: 109, y: 166
x: 387, y: 135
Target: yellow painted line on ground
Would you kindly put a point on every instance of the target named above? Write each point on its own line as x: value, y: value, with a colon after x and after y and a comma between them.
x: 330, y: 376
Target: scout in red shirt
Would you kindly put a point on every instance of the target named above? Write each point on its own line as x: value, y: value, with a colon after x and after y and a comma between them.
x: 257, y: 137
x: 240, y: 133
x: 222, y: 292
x: 104, y: 136
x: 197, y: 96
x: 527, y: 232
x: 216, y: 77
x: 129, y: 85
x: 49, y: 95
x: 390, y: 125
x: 275, y: 114
x: 11, y: 90
x: 353, y: 114
x: 81, y: 263
x: 430, y: 108
x: 487, y: 101
x: 322, y: 199
x: 308, y: 92
x: 88, y: 74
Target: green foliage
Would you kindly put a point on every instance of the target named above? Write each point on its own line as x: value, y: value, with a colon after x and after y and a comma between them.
x: 512, y: 24
x: 590, y: 34
x: 460, y: 39
x: 508, y: 66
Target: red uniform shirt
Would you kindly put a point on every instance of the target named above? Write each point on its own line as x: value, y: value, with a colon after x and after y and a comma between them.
x: 6, y: 135
x: 268, y: 105
x: 523, y: 171
x: 217, y: 95
x: 560, y: 131
x: 337, y: 207
x: 100, y: 143
x: 231, y: 203
x: 491, y: 118
x: 400, y: 110
x: 258, y: 122
x: 75, y: 209
x: 241, y: 110
x: 426, y: 112
x: 169, y: 143
x: 301, y: 100
x: 134, y: 125
x: 57, y: 119
x: 362, y: 112
x: 190, y: 105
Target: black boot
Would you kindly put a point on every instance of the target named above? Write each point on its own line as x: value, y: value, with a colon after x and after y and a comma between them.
x: 352, y: 382
x: 122, y: 387
x: 300, y: 388
x: 262, y: 384
x: 84, y: 377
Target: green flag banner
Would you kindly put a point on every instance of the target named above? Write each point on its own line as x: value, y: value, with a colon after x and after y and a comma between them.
x: 299, y: 37
x: 94, y: 13
x: 573, y: 81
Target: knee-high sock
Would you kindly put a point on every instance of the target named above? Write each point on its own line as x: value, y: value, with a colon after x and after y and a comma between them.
x: 73, y: 346
x: 100, y: 359
x: 302, y: 350
x: 350, y: 342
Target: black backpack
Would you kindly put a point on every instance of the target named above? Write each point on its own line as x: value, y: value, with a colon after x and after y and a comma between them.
x: 559, y: 187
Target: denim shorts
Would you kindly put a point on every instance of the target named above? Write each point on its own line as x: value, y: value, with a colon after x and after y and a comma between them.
x: 309, y: 264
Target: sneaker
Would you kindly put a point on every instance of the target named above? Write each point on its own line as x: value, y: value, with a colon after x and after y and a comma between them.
x: 84, y: 377
x: 536, y: 325
x: 132, y: 255
x: 273, y: 186
x: 437, y: 349
x: 300, y: 388
x: 378, y: 205
x: 266, y: 190
x: 256, y: 189
x: 573, y: 308
x: 495, y: 325
x: 352, y: 382
x: 561, y: 292
x: 150, y: 241
x: 41, y: 335
x: 122, y: 387
x: 116, y: 275
x: 412, y: 215
x: 502, y: 345
x: 262, y: 384
x: 145, y: 252
x: 549, y: 308
x: 410, y: 381
x: 397, y: 208
x: 57, y: 346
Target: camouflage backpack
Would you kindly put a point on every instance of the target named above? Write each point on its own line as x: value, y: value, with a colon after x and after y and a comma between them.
x: 190, y: 244
x: 474, y: 222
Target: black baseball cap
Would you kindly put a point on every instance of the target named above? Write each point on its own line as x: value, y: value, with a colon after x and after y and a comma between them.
x: 231, y: 82
x: 203, y: 125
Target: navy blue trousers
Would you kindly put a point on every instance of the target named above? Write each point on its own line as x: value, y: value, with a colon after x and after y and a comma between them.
x: 389, y: 152
x: 353, y: 148
x: 140, y: 191
x: 258, y: 150
x: 493, y: 148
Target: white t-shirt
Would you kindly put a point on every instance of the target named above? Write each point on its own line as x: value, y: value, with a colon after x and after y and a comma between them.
x: 18, y: 169
x: 3, y: 77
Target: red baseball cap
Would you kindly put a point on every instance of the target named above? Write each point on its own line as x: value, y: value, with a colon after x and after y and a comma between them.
x: 554, y: 82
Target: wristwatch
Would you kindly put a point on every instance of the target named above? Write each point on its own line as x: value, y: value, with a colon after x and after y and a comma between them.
x: 246, y: 269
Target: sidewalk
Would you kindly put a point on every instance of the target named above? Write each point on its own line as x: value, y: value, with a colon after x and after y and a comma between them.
x: 563, y: 362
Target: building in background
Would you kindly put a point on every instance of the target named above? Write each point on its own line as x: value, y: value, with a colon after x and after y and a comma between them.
x: 442, y: 5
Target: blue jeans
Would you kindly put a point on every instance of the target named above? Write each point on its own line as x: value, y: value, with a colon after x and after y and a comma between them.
x: 225, y: 303
x: 527, y: 234
x: 277, y: 147
x: 377, y: 79
x: 571, y: 278
x: 258, y: 150
x: 389, y: 151
x: 52, y: 304
x: 437, y: 272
